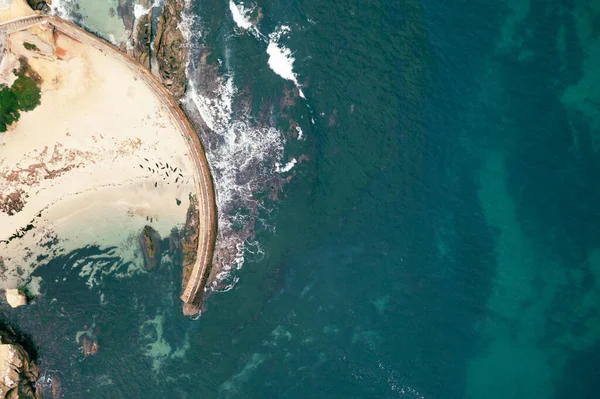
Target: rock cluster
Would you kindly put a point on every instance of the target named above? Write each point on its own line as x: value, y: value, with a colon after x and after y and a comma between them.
x: 171, y: 48
x: 89, y: 344
x: 162, y: 48
x: 18, y: 373
x: 142, y: 38
x: 150, y: 243
x: 40, y: 5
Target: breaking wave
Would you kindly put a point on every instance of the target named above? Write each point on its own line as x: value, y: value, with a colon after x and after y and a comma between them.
x: 240, y: 15
x: 62, y: 8
x: 281, y: 59
x: 245, y: 158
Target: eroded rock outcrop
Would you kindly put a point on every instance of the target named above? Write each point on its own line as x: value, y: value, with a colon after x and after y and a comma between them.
x: 150, y: 243
x: 171, y: 48
x: 142, y: 31
x: 125, y: 10
x: 18, y: 373
x: 142, y: 50
x: 161, y: 46
x: 89, y: 344
x: 39, y: 5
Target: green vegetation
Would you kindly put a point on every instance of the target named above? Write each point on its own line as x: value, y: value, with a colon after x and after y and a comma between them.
x: 27, y: 93
x: 23, y: 95
x: 30, y: 46
x: 9, y: 108
x: 25, y: 289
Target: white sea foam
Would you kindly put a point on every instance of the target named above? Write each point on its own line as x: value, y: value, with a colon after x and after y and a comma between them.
x: 281, y: 61
x: 281, y: 58
x: 216, y: 111
x: 139, y: 11
x: 186, y: 25
x: 242, y: 156
x: 300, y: 132
x: 240, y: 15
x: 288, y: 166
x: 61, y: 8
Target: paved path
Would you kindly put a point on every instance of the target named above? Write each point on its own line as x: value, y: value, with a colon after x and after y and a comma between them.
x: 202, y: 177
x: 16, y: 25
x: 21, y: 23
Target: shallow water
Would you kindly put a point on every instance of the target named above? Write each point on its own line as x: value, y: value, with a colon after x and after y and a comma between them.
x: 438, y: 237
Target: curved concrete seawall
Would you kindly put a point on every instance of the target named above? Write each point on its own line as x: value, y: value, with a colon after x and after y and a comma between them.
x: 206, y: 206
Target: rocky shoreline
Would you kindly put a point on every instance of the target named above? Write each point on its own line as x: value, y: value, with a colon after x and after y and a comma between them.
x: 18, y: 372
x: 160, y: 45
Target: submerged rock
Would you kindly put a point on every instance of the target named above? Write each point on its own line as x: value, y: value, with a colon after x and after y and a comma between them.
x: 89, y: 344
x: 18, y: 373
x: 150, y: 242
x: 16, y: 297
x: 49, y: 385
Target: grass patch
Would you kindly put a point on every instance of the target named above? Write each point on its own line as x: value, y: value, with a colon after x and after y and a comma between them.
x: 30, y: 46
x: 9, y: 108
x: 27, y: 93
x: 23, y: 95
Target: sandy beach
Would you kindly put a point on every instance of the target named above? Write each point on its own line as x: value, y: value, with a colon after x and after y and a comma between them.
x: 99, y: 158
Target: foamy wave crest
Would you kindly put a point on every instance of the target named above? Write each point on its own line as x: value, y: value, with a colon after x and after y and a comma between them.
x: 245, y: 155
x: 139, y: 11
x: 281, y: 58
x: 288, y: 166
x: 62, y: 8
x: 186, y: 24
x: 215, y: 110
x: 240, y: 14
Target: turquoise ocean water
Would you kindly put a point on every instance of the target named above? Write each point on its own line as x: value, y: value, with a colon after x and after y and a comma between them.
x: 438, y: 236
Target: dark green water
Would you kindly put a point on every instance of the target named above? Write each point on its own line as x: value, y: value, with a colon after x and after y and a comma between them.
x: 439, y: 238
